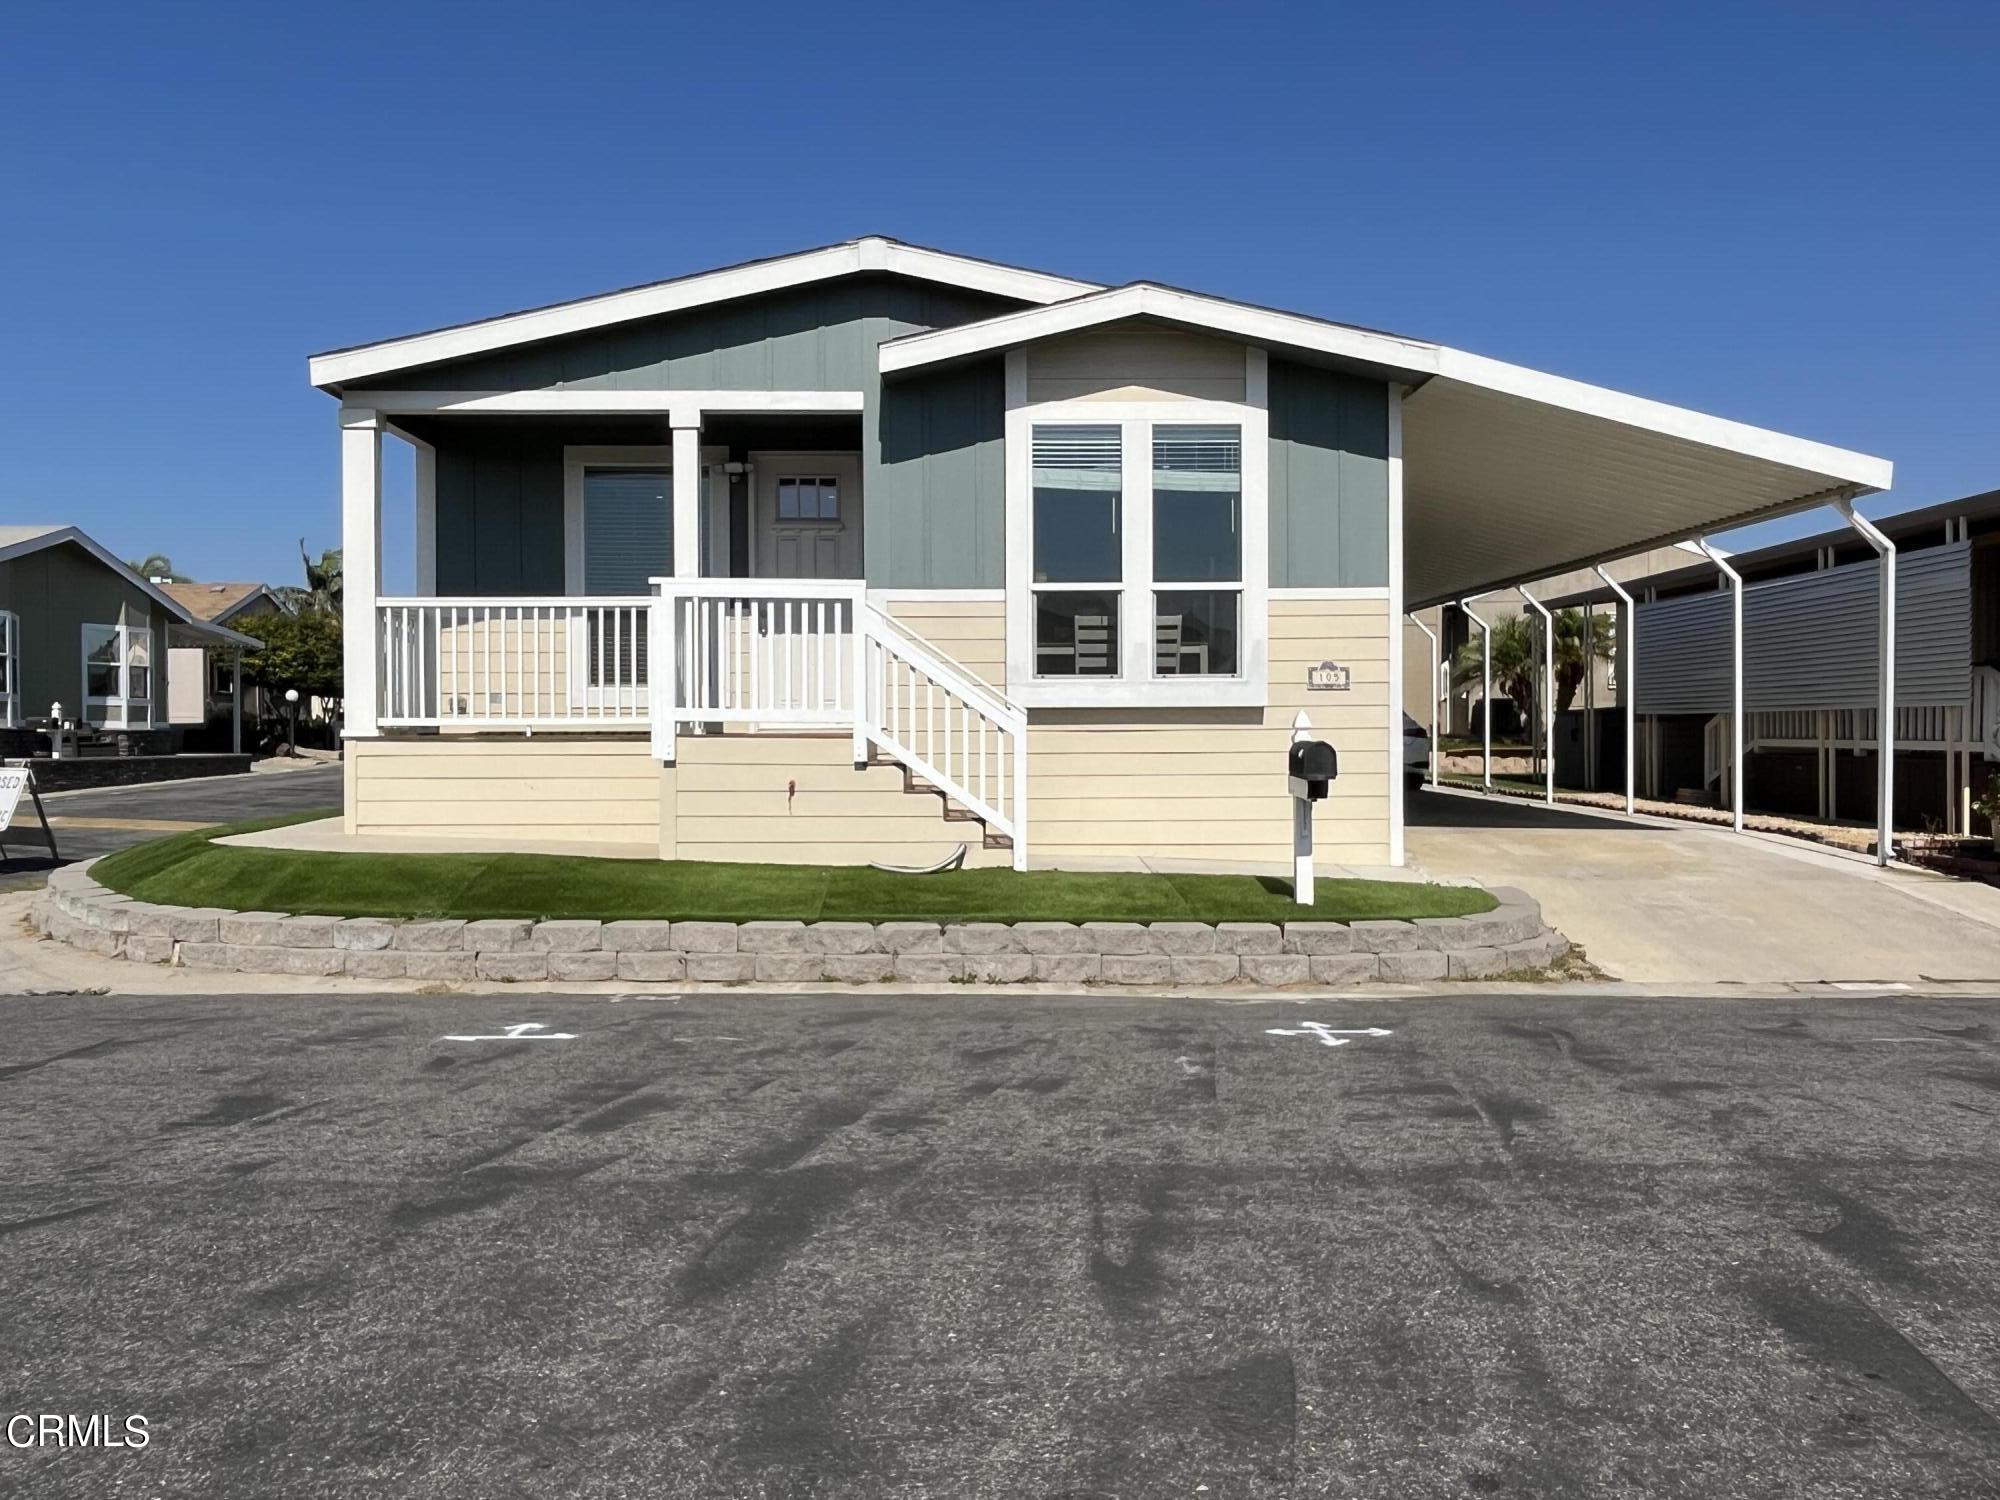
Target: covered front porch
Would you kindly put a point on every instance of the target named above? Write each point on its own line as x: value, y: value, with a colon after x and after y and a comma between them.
x: 564, y: 553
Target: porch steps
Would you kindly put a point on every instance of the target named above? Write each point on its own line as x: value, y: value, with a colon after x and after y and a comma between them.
x: 915, y: 786
x: 799, y: 798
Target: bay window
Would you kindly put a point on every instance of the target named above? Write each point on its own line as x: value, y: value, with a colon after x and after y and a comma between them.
x: 1142, y: 564
x: 118, y: 675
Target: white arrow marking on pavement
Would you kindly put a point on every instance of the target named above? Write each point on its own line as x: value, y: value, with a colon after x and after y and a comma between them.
x: 1329, y: 1036
x: 520, y: 1031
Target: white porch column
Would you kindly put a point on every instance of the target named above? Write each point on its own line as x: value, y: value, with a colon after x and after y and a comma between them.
x: 687, y: 492
x: 1628, y: 682
x: 1885, y: 701
x: 1548, y: 705
x: 1396, y: 787
x: 1437, y: 697
x: 1736, y: 769
x: 236, y: 701
x: 361, y: 541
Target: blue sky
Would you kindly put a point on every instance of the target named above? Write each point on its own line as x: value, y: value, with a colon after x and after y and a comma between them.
x: 1785, y: 214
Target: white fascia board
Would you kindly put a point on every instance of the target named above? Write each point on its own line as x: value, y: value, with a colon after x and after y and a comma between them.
x: 598, y: 403
x: 873, y: 254
x: 1411, y: 359
x: 110, y: 560
x: 1839, y: 464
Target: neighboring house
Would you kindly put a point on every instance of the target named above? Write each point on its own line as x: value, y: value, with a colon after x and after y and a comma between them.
x: 204, y: 683
x: 1810, y: 683
x: 854, y: 553
x: 78, y: 627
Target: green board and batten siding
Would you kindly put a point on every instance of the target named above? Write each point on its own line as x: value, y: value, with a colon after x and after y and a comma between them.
x: 1329, y: 478
x: 56, y: 592
x: 500, y: 500
x: 936, y: 491
x: 932, y: 452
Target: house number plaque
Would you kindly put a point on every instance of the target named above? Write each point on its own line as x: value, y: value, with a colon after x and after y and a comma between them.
x: 1328, y: 677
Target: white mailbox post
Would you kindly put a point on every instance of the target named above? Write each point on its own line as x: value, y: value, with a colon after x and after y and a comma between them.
x: 1310, y: 766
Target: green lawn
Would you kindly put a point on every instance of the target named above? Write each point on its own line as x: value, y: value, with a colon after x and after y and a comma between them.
x: 188, y: 869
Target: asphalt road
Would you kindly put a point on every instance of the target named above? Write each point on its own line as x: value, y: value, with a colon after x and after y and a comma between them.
x: 989, y: 1246
x: 106, y: 819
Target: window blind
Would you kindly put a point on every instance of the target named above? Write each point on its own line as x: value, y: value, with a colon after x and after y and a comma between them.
x: 1197, y: 457
x: 1078, y: 458
x: 628, y: 530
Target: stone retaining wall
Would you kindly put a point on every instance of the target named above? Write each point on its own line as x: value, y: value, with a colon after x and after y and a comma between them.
x: 75, y: 771
x: 1512, y: 938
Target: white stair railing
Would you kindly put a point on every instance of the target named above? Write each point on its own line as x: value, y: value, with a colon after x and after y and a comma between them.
x: 934, y: 716
x: 802, y: 654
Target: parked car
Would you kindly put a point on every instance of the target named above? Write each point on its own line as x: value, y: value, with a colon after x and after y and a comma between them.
x: 1416, y: 752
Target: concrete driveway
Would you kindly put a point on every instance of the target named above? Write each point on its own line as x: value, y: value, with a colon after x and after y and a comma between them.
x: 1661, y: 902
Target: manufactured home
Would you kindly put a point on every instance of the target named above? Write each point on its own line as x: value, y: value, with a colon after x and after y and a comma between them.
x: 872, y: 550
x: 80, y: 631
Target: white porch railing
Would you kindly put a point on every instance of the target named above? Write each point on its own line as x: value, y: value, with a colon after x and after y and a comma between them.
x: 514, y: 663
x: 769, y: 654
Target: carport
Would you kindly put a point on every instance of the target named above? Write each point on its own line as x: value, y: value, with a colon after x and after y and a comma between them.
x: 1512, y: 476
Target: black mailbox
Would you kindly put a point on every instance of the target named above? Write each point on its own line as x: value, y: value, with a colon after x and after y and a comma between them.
x: 1313, y: 765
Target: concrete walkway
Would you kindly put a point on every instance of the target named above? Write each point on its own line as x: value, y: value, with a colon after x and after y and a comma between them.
x: 1662, y: 902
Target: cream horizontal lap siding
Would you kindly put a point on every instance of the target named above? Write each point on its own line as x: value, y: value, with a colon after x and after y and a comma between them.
x: 588, y: 790
x: 505, y: 668
x: 799, y: 800
x: 972, y: 632
x: 1201, y: 784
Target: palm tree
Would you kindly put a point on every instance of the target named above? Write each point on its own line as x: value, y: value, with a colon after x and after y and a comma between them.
x: 1517, y: 659
x: 1517, y: 664
x: 322, y: 592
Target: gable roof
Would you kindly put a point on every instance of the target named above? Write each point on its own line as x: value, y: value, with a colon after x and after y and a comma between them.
x: 1510, y: 474
x: 849, y: 257
x: 21, y: 541
x: 217, y: 602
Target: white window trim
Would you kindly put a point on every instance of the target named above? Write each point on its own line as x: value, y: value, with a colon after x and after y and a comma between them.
x: 98, y: 710
x: 1137, y: 686
x: 620, y: 456
x: 10, y: 670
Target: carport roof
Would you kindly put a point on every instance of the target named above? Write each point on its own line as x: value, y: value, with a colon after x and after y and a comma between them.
x: 1509, y: 474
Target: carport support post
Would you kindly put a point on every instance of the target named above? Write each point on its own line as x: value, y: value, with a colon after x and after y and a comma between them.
x: 1628, y: 681
x: 1485, y: 691
x: 1437, y: 698
x: 1735, y: 678
x: 1548, y: 693
x: 1885, y: 703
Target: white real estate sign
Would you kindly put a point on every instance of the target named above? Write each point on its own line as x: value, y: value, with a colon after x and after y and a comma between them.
x: 13, y: 782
